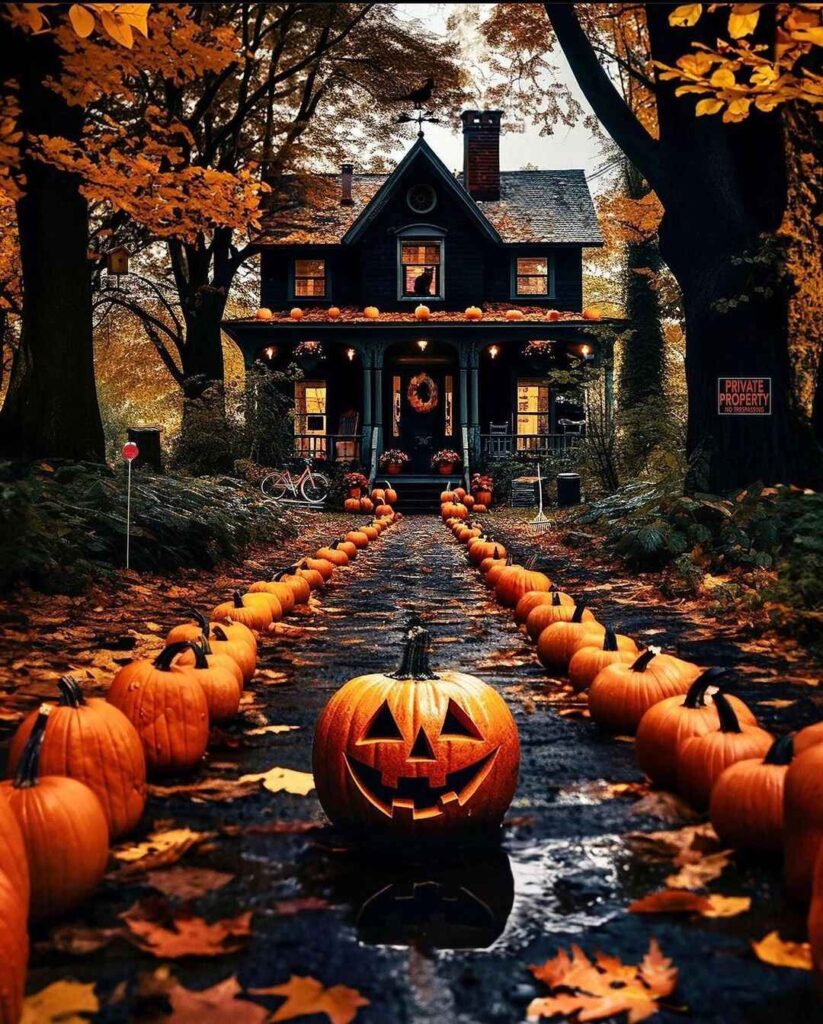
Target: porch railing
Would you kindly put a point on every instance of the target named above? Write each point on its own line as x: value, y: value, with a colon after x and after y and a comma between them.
x: 328, y: 447
x: 502, y: 446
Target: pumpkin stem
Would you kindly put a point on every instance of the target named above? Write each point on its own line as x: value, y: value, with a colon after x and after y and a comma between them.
x: 696, y: 695
x: 610, y: 640
x: 202, y: 643
x: 725, y: 712
x: 415, y: 661
x: 200, y: 619
x: 219, y: 633
x: 642, y: 663
x: 781, y: 751
x: 579, y: 608
x: 168, y: 654
x: 278, y: 575
x: 28, y: 770
x: 71, y: 694
x: 237, y: 597
x: 556, y: 599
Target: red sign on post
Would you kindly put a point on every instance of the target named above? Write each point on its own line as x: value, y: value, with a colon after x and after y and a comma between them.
x: 130, y: 451
x: 744, y: 396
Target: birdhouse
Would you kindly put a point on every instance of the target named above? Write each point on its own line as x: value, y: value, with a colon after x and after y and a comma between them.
x: 117, y: 260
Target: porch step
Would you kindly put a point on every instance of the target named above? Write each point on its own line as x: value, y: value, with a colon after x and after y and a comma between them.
x: 419, y: 494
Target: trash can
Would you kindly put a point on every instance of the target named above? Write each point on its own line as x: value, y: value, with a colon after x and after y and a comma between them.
x: 568, y: 489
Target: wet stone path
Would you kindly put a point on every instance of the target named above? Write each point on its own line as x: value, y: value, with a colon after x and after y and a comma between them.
x: 565, y: 872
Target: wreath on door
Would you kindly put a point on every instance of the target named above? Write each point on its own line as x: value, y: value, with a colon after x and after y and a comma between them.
x: 422, y: 393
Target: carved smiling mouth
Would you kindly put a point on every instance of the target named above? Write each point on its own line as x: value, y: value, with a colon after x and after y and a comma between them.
x: 415, y: 794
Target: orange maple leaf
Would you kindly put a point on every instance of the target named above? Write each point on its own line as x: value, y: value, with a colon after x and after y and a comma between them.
x: 305, y: 996
x: 156, y: 930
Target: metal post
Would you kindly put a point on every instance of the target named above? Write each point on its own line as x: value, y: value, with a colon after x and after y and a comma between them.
x: 128, y: 517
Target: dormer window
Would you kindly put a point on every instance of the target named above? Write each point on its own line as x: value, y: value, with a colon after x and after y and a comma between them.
x: 533, y: 277
x: 309, y: 279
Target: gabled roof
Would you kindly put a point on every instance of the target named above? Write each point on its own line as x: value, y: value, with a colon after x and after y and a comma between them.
x: 421, y: 150
x: 552, y: 207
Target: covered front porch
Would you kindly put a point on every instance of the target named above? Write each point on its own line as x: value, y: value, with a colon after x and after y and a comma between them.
x: 482, y: 389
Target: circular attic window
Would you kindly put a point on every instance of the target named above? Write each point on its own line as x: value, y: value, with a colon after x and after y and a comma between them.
x: 421, y: 198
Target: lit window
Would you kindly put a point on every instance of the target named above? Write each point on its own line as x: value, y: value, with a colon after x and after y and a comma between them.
x: 310, y: 279
x: 310, y: 417
x: 420, y: 265
x: 396, y: 402
x: 532, y: 276
x: 532, y: 413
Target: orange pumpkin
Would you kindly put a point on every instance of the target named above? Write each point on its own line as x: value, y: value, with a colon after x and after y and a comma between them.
x: 479, y: 508
x: 383, y: 510
x: 559, y: 642
x: 378, y: 495
x: 238, y: 650
x: 371, y: 312
x: 514, y: 314
x: 533, y: 598
x: 493, y: 573
x: 311, y: 576
x: 299, y: 586
x: 545, y: 615
x: 588, y: 661
x: 237, y: 633
x: 296, y: 313
x: 64, y: 830
x: 333, y: 312
x: 348, y: 548
x: 671, y: 721
x: 264, y: 314
x: 366, y: 505
x: 282, y: 591
x: 803, y: 821
x: 808, y: 737
x: 447, y: 495
x: 358, y: 538
x: 468, y: 501
x: 422, y: 312
x: 591, y: 313
x: 391, y: 495
x: 219, y: 676
x: 460, y: 493
x: 416, y: 752
x: 621, y: 694
x: 516, y: 581
x: 816, y: 922
x: 473, y: 313
x: 14, y: 948
x: 370, y: 531
x: 484, y: 547
x: 167, y: 706
x: 452, y: 509
x: 351, y: 505
x: 321, y: 565
x: 246, y: 609
x: 333, y: 554
x: 13, y: 863
x: 93, y: 742
x: 265, y: 599
x: 746, y: 807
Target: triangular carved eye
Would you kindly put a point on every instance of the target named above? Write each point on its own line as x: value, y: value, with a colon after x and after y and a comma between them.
x: 383, y: 726
x: 458, y: 723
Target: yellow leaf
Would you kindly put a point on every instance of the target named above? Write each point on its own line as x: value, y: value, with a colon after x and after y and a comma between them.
x: 727, y: 906
x: 82, y: 20
x: 723, y: 78
x: 708, y: 107
x: 809, y: 35
x: 686, y: 15
x: 279, y: 780
x: 63, y: 1002
x: 742, y: 24
x: 306, y: 996
x: 773, y: 950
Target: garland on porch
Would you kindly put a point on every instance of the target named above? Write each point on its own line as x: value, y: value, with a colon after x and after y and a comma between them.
x: 419, y: 386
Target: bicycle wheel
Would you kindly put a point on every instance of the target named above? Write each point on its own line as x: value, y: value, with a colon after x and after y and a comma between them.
x: 274, y: 486
x: 315, y: 488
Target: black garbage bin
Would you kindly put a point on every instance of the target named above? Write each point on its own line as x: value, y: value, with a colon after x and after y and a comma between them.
x: 568, y: 489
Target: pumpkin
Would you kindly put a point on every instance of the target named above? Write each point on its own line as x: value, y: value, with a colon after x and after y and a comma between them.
x: 391, y: 495
x: 358, y: 538
x: 416, y: 752
x: 808, y: 737
x: 333, y: 312
x: 531, y: 599
x: 167, y: 706
x: 13, y: 863
x: 333, y: 554
x: 93, y: 742
x: 473, y: 313
x: 296, y: 313
x: 559, y: 642
x: 484, y: 547
x: 702, y: 759
x: 266, y: 600
x: 371, y: 312
x: 219, y: 676
x: 491, y: 562
x: 516, y: 581
x: 803, y: 821
x: 553, y: 314
x: 464, y: 532
x: 311, y: 576
x: 366, y: 505
x: 468, y: 501
x: 14, y: 948
x: 816, y: 923
x: 671, y: 721
x: 237, y: 633
x: 351, y: 505
x: 348, y: 548
x: 479, y: 508
x: 264, y: 314
x: 188, y: 630
x: 746, y: 807
x: 321, y: 565
x: 514, y: 314
x: 238, y: 650
x: 299, y: 586
x: 460, y: 493
x: 445, y: 496
x: 422, y: 312
x: 64, y: 830
x: 378, y: 495
x: 590, y: 313
x: 544, y: 615
x: 370, y: 531
x: 452, y: 509
x: 282, y: 591
x: 621, y: 694
x: 383, y: 510
x: 246, y: 609
x: 589, y: 660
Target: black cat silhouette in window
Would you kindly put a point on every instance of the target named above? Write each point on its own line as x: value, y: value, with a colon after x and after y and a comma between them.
x: 422, y: 283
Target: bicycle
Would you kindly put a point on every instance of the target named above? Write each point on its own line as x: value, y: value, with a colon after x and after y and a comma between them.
x: 314, y: 487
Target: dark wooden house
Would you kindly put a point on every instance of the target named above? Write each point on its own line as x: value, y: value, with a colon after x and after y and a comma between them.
x: 395, y: 376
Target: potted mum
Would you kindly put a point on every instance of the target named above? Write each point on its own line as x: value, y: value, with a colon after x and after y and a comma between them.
x: 393, y: 460
x: 482, y: 488
x: 355, y: 484
x: 445, y: 461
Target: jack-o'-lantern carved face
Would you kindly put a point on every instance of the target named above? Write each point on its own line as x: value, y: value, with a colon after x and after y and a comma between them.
x: 416, y: 752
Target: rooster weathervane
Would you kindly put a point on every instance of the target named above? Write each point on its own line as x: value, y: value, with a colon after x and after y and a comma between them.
x: 420, y: 98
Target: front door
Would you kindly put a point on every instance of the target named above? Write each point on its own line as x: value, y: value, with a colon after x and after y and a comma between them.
x: 423, y: 413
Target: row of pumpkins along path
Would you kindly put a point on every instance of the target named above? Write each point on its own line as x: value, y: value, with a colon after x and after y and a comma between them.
x: 763, y: 793
x: 78, y: 768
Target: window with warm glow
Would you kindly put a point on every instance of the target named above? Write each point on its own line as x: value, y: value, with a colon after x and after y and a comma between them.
x: 532, y: 412
x: 531, y: 276
x: 310, y: 417
x: 309, y: 279
x: 420, y: 266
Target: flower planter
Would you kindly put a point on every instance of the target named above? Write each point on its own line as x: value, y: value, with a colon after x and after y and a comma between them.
x: 393, y: 468
x: 354, y: 492
x: 446, y: 468
x: 484, y: 497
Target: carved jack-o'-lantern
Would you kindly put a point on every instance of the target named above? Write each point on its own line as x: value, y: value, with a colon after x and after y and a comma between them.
x: 416, y: 752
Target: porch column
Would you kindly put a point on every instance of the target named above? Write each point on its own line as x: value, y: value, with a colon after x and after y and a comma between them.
x: 464, y: 404
x: 378, y: 386
x: 366, y: 358
x: 474, y: 420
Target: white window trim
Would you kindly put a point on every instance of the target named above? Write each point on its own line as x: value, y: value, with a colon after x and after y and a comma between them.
x: 430, y: 239
x: 550, y: 282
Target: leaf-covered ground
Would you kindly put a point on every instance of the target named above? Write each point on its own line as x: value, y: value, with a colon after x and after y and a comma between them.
x: 235, y: 885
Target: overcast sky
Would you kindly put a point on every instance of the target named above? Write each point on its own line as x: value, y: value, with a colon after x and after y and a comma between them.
x: 521, y: 144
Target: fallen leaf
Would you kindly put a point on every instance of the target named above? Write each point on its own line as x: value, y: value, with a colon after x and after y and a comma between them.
x: 271, y: 728
x: 158, y: 850
x: 695, y: 875
x: 305, y: 996
x: 681, y: 901
x: 775, y: 951
x: 283, y: 780
x: 300, y: 905
x: 776, y: 703
x: 665, y: 806
x: 156, y: 929
x: 79, y: 940
x: 66, y: 1002
x: 188, y: 883
x: 217, y: 1005
x: 727, y: 906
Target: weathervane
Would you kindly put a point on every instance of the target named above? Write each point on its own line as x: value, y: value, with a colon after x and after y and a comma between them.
x: 419, y: 97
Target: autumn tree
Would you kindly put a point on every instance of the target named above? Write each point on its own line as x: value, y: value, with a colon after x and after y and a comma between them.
x: 311, y: 85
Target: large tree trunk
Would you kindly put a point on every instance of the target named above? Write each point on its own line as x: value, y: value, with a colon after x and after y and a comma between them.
x: 51, y: 406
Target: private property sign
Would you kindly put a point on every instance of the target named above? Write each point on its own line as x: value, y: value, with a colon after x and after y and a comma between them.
x: 744, y: 396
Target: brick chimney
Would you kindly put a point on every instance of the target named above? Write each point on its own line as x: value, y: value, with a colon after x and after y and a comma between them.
x: 481, y: 153
x: 345, y: 185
